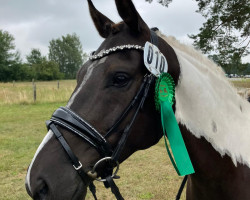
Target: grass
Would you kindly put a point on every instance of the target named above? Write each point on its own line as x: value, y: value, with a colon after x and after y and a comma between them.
x: 242, y: 83
x: 22, y: 92
x: 21, y: 130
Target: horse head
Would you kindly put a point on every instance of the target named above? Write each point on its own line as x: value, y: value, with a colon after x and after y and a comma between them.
x: 108, y: 115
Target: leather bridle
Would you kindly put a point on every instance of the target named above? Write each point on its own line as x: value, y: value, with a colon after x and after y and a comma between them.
x: 66, y: 118
x: 69, y: 120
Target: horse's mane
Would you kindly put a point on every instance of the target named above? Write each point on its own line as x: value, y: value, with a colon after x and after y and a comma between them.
x: 191, y: 51
x: 209, y: 106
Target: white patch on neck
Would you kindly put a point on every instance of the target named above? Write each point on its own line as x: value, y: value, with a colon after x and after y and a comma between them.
x: 86, y: 77
x: 44, y: 142
x: 209, y: 106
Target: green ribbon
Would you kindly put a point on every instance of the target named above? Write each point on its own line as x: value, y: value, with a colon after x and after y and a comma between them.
x: 164, y: 100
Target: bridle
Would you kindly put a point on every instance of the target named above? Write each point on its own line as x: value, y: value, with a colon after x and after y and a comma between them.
x: 67, y: 119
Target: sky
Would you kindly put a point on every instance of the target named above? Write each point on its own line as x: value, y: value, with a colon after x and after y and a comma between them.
x: 33, y: 23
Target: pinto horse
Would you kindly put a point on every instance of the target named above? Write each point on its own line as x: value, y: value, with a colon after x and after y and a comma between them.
x: 111, y: 114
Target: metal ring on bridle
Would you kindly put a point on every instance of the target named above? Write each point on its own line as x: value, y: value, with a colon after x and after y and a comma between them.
x: 102, y: 160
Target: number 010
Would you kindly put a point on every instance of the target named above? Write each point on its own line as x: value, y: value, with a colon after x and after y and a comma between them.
x: 156, y: 56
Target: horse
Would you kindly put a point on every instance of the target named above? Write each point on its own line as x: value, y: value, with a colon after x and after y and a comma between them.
x: 111, y: 114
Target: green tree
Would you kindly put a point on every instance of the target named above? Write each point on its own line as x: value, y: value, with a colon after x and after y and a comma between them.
x: 67, y: 52
x: 226, y: 32
x: 9, y: 57
x: 225, y: 36
x: 42, y: 69
x: 35, y: 57
x: 7, y: 47
x: 247, y: 70
x: 47, y: 70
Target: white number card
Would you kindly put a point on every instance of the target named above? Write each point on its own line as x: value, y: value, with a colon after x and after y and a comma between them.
x: 154, y: 60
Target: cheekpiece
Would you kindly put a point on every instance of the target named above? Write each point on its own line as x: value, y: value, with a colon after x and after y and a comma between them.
x: 106, y: 52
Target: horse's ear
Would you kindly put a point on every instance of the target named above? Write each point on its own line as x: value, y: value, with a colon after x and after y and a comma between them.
x: 102, y: 23
x: 130, y: 16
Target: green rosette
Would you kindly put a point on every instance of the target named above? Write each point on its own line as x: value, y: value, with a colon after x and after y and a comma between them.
x: 164, y: 99
x: 164, y: 90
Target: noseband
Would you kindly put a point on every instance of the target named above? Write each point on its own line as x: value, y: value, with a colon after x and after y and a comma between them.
x: 69, y: 120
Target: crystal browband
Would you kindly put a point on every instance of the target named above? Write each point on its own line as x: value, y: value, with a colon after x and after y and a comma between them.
x: 106, y: 52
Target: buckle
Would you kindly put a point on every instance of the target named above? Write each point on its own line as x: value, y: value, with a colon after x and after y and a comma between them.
x: 79, y: 167
x: 113, y: 175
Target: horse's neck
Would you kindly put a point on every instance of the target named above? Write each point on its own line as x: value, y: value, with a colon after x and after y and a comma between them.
x: 215, y: 124
x: 209, y: 106
x: 215, y: 177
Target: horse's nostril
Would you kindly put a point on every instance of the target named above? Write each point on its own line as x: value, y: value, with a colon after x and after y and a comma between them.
x: 42, y: 193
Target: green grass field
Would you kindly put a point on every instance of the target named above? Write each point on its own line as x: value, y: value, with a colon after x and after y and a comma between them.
x: 22, y: 92
x: 21, y: 130
x: 242, y: 83
x: 145, y: 175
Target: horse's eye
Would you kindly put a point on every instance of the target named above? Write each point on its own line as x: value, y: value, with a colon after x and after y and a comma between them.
x: 120, y: 79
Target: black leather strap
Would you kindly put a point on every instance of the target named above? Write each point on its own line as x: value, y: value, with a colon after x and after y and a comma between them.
x: 183, y: 183
x: 72, y: 118
x: 75, y: 161
x: 65, y: 145
x: 92, y: 189
x: 127, y: 110
x: 154, y: 38
x: 66, y: 118
x: 73, y: 130
x: 114, y: 188
x: 121, y: 144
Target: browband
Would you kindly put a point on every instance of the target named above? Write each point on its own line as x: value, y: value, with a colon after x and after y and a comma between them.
x: 106, y: 52
x: 103, y: 53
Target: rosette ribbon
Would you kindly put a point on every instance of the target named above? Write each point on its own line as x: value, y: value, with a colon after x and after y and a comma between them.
x: 164, y: 98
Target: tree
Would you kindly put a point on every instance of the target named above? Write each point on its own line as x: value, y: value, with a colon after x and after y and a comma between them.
x: 247, y: 70
x: 67, y: 52
x: 47, y: 70
x: 7, y: 48
x: 226, y: 32
x: 41, y: 68
x: 9, y: 58
x: 162, y: 2
x: 225, y: 36
x: 35, y: 57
